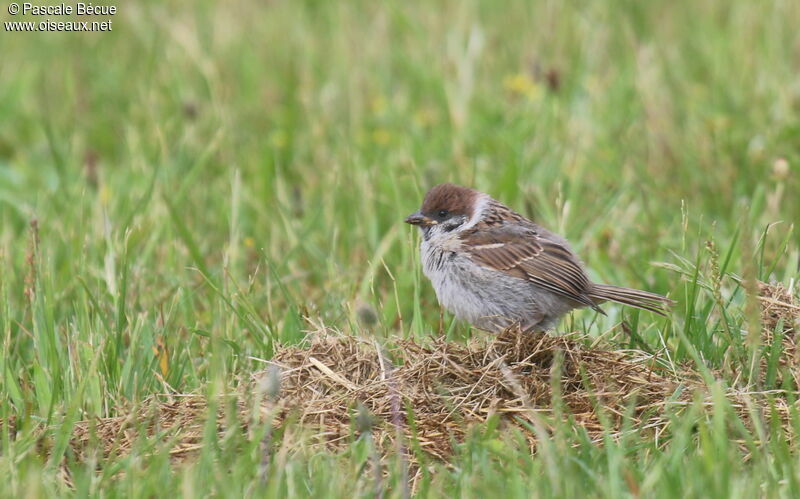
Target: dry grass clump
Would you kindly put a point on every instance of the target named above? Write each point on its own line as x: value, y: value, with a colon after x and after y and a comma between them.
x: 447, y: 388
x: 179, y: 421
x: 450, y: 386
x: 780, y: 307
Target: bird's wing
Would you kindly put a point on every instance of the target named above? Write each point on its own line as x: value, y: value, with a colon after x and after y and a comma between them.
x: 525, y: 253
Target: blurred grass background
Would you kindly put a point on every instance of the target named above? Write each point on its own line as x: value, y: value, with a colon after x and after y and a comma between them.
x: 212, y: 179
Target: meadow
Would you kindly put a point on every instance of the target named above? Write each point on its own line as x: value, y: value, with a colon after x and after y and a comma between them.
x: 210, y: 183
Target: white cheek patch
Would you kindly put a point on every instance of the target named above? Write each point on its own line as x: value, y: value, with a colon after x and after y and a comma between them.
x: 480, y: 206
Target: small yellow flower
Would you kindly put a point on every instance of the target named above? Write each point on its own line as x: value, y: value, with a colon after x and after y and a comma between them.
x: 378, y: 105
x: 278, y: 139
x: 594, y: 85
x: 249, y: 242
x: 105, y: 195
x: 720, y: 123
x: 522, y: 84
x: 424, y: 117
x: 381, y: 136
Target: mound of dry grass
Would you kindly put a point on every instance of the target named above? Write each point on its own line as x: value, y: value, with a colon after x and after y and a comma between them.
x: 447, y: 388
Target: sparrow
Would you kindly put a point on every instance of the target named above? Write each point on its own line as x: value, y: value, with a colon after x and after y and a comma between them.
x: 495, y: 269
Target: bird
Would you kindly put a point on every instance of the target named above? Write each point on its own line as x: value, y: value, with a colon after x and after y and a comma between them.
x: 495, y: 269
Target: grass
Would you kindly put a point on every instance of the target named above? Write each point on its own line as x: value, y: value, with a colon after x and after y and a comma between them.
x: 204, y: 184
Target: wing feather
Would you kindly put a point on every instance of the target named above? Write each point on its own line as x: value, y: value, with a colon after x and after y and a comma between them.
x: 523, y: 252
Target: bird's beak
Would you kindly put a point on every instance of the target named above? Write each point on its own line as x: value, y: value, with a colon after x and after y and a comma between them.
x: 418, y: 218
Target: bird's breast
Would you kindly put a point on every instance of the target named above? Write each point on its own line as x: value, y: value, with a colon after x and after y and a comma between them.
x: 454, y: 278
x: 437, y: 260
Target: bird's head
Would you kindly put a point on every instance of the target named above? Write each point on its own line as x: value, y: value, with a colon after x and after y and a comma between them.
x: 446, y: 208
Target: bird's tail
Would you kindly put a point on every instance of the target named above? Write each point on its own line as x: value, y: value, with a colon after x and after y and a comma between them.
x: 632, y: 297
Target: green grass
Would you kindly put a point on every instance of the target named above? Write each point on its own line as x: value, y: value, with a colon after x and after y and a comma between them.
x: 209, y: 179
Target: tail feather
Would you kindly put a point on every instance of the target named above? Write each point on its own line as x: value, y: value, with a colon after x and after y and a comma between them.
x: 632, y: 297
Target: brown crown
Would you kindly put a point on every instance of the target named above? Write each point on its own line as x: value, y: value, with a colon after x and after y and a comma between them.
x: 450, y: 197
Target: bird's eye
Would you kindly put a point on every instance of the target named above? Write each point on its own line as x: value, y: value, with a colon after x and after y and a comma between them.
x: 443, y: 213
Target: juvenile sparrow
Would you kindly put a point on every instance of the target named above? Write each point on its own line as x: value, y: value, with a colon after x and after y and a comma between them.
x: 493, y: 268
